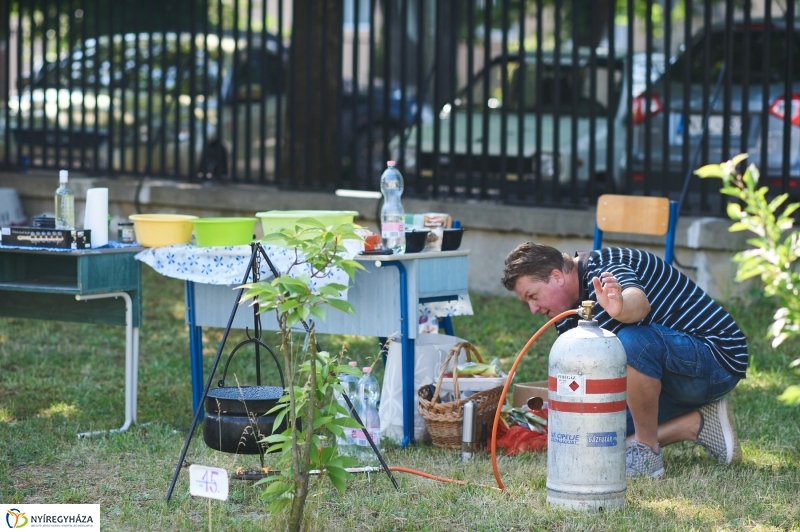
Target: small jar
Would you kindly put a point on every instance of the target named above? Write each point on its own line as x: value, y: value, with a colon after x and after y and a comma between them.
x: 125, y: 233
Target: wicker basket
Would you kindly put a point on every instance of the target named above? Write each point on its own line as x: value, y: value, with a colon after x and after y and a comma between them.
x: 444, y: 420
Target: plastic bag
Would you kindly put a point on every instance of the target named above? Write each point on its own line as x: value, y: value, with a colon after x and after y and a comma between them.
x: 430, y: 352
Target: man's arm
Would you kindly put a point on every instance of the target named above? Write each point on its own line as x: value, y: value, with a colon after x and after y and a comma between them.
x: 626, y: 306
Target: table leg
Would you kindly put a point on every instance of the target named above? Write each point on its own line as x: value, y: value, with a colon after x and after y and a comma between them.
x: 407, y: 364
x: 131, y: 361
x: 195, y: 348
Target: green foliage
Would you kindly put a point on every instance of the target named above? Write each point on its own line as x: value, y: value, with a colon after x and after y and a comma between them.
x: 325, y: 427
x: 307, y: 443
x: 774, y: 250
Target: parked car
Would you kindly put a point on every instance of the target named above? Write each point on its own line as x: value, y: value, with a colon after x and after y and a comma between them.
x: 144, y: 101
x: 773, y: 72
x: 556, y: 157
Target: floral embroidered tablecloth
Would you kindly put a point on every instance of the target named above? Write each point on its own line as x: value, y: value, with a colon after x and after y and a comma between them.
x: 226, y: 266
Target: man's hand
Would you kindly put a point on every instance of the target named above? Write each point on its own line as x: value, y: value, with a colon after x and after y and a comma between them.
x: 626, y: 306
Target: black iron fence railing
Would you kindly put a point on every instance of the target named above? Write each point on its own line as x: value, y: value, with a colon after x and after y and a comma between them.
x: 534, y: 102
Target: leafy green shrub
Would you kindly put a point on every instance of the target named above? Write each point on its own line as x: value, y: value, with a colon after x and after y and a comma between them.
x: 774, y: 252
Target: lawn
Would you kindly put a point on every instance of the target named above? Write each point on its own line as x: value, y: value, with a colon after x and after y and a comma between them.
x: 60, y: 378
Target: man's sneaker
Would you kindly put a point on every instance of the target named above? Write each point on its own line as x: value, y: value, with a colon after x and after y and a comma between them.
x: 641, y: 461
x: 718, y: 433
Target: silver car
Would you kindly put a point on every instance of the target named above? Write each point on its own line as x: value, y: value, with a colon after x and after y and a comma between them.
x: 682, y: 128
x: 571, y: 100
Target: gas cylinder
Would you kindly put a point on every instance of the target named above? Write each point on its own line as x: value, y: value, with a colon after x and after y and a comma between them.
x: 586, y: 423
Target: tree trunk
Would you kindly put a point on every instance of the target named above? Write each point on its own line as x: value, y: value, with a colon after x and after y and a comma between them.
x: 311, y: 127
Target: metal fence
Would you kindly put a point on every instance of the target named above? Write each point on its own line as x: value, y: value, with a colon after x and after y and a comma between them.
x: 528, y: 102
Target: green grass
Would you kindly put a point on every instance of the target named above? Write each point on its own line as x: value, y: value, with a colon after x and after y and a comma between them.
x: 58, y: 379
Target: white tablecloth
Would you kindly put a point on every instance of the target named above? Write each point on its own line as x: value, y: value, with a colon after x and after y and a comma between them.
x: 226, y: 266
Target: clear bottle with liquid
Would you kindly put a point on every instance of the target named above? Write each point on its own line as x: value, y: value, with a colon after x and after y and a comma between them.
x: 64, y: 203
x: 346, y: 444
x: 393, y: 231
x: 369, y: 393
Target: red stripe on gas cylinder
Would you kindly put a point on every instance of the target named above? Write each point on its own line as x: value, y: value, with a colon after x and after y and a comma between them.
x: 587, y: 408
x: 596, y: 385
x: 606, y: 385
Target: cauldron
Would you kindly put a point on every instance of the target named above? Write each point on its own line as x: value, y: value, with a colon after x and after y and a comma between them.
x: 236, y: 418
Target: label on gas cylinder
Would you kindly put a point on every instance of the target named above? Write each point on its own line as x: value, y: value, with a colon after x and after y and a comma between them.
x: 571, y: 384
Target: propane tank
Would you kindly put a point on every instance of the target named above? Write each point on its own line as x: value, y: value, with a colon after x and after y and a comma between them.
x: 586, y: 422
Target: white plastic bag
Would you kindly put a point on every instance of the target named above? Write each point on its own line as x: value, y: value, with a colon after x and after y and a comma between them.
x: 430, y: 352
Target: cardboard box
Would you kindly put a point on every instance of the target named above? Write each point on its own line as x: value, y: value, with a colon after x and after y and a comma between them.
x: 525, y: 390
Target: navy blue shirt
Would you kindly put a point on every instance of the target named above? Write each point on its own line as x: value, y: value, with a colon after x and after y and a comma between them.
x: 675, y: 302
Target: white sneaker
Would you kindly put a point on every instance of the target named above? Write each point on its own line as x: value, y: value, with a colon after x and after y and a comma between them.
x: 642, y: 461
x: 718, y: 433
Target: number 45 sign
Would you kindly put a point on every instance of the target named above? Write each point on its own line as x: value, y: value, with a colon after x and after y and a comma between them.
x: 211, y: 482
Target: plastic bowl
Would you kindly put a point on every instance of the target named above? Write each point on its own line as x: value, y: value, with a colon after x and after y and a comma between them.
x: 415, y: 241
x: 451, y: 239
x: 158, y: 230
x: 226, y: 231
x: 274, y: 221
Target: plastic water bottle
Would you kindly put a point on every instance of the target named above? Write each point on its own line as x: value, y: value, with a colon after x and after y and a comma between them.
x: 393, y: 231
x: 65, y: 203
x: 369, y: 393
x: 346, y: 445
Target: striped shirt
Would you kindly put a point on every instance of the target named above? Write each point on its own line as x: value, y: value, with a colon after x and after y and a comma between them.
x: 675, y: 302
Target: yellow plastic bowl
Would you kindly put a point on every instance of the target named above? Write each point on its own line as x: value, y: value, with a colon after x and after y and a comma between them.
x: 228, y: 231
x: 158, y: 230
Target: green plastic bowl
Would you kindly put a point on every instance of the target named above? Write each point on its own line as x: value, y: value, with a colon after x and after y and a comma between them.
x: 209, y: 232
x: 274, y: 221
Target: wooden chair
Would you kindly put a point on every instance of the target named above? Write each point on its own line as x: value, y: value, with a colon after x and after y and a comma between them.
x: 643, y: 215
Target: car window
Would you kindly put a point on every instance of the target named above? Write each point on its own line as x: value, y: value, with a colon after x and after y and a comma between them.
x: 522, y: 86
x: 774, y: 70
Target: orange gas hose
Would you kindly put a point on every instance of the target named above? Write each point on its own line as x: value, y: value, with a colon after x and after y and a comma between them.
x: 535, y: 337
x: 434, y: 477
x: 500, y: 485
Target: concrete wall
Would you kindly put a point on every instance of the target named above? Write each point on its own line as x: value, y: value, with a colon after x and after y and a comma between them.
x: 493, y: 230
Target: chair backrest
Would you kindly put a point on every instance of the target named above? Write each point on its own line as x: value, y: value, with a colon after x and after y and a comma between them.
x: 643, y: 215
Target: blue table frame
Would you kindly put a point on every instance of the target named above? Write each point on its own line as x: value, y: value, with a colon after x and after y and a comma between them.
x: 386, y: 301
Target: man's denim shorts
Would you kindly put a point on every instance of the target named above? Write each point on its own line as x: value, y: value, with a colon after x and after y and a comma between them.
x: 690, y: 375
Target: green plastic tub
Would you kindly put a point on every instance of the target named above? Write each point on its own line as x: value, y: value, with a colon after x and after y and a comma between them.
x: 274, y: 221
x: 228, y: 231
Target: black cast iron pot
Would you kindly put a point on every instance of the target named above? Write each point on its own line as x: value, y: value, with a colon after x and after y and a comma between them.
x: 236, y: 418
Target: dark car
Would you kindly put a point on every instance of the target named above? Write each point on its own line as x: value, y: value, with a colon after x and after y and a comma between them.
x: 151, y: 101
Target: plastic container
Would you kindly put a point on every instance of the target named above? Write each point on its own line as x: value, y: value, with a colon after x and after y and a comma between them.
x: 393, y: 230
x: 11, y: 208
x: 226, y: 231
x: 273, y: 221
x: 415, y: 241
x: 159, y: 230
x: 369, y: 393
x: 451, y: 239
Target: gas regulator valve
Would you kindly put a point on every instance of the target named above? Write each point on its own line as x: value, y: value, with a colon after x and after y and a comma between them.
x: 585, y: 310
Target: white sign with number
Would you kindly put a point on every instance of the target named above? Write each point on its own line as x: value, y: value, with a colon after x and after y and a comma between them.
x: 211, y: 482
